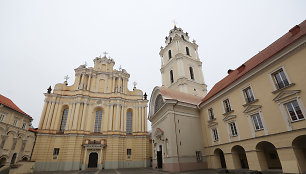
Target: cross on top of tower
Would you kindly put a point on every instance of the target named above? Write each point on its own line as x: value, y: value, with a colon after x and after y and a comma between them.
x: 66, y: 77
x: 174, y: 23
x: 105, y: 53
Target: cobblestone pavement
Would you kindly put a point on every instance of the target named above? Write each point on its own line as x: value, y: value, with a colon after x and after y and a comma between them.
x: 126, y: 171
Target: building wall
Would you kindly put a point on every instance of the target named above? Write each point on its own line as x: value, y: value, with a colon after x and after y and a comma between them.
x: 100, y: 88
x: 278, y: 129
x: 15, y: 139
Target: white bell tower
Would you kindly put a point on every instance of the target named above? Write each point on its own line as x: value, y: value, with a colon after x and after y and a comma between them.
x: 181, y: 68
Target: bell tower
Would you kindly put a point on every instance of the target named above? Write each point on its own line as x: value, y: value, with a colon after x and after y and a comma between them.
x: 181, y: 68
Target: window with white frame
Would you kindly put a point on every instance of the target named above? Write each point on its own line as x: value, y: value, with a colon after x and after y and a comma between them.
x: 15, y: 122
x: 280, y: 79
x: 248, y: 95
x: 98, y: 121
x: 24, y: 125
x: 257, y: 121
x: 215, y: 134
x: 64, y: 120
x: 129, y: 121
x: 2, y: 117
x: 227, y: 105
x: 233, y: 128
x: 294, y: 111
x: 211, y: 114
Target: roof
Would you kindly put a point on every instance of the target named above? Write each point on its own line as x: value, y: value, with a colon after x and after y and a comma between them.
x: 294, y: 34
x: 8, y: 103
x: 180, y: 96
x: 32, y: 129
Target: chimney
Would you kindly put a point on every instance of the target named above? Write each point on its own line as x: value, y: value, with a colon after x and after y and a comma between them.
x: 241, y: 68
x: 294, y: 30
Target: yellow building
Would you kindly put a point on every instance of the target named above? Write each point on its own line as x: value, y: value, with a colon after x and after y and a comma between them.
x: 96, y: 122
x: 254, y: 118
x: 17, y: 138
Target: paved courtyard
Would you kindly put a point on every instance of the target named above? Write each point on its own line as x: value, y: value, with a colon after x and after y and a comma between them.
x: 127, y: 171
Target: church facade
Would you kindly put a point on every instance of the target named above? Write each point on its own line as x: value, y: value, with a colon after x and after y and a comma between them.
x: 253, y: 119
x: 96, y: 122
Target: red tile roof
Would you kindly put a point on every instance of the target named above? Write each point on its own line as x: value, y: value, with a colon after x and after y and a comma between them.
x: 180, y: 96
x: 8, y: 103
x: 294, y: 34
x: 32, y: 130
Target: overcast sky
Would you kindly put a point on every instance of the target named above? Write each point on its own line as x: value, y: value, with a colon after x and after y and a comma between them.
x: 42, y: 41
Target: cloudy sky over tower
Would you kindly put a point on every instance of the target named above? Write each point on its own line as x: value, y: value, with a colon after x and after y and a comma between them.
x: 41, y: 41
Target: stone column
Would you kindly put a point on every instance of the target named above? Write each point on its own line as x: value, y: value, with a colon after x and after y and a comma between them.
x: 3, y: 139
x: 58, y: 117
x: 46, y: 116
x: 110, y: 118
x: 14, y: 143
x: 134, y: 119
x: 70, y: 117
x: 76, y: 116
x: 113, y: 87
x: 122, y: 119
x: 229, y: 161
x: 119, y: 85
x: 88, y: 118
x: 253, y: 160
x: 88, y: 84
x: 288, y: 160
x: 82, y: 81
x: 145, y: 118
x: 53, y: 116
x: 117, y: 120
x: 50, y: 117
x: 43, y: 115
x: 84, y: 117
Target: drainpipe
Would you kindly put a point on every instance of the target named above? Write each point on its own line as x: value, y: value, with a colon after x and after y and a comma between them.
x: 177, y: 151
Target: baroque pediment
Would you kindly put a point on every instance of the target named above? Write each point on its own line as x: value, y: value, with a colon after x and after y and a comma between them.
x: 229, y: 117
x: 251, y: 108
x: 284, y: 94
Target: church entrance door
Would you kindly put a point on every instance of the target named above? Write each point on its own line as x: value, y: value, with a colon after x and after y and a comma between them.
x: 93, y: 160
x: 160, y: 157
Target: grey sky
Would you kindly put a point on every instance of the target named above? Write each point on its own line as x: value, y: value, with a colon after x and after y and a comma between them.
x: 42, y: 41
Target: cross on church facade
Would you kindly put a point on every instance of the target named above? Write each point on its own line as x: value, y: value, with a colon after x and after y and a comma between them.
x: 105, y: 53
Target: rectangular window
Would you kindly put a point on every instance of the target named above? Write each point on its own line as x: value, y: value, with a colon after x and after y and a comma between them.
x: 2, y: 117
x: 216, y: 136
x: 248, y: 95
x: 227, y: 105
x: 56, y: 151
x: 98, y: 121
x: 24, y: 125
x: 199, y: 155
x: 280, y: 79
x: 129, y: 122
x: 257, y: 121
x: 15, y: 122
x: 294, y: 111
x: 128, y: 152
x: 211, y: 113
x: 64, y: 120
x: 233, y: 128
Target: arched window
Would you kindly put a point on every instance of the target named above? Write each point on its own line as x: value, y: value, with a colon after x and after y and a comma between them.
x: 183, y: 37
x: 98, y: 121
x: 171, y: 76
x: 129, y: 122
x: 64, y: 120
x: 191, y: 73
x: 187, y: 51
x: 169, y: 54
x: 170, y: 39
x: 159, y: 102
